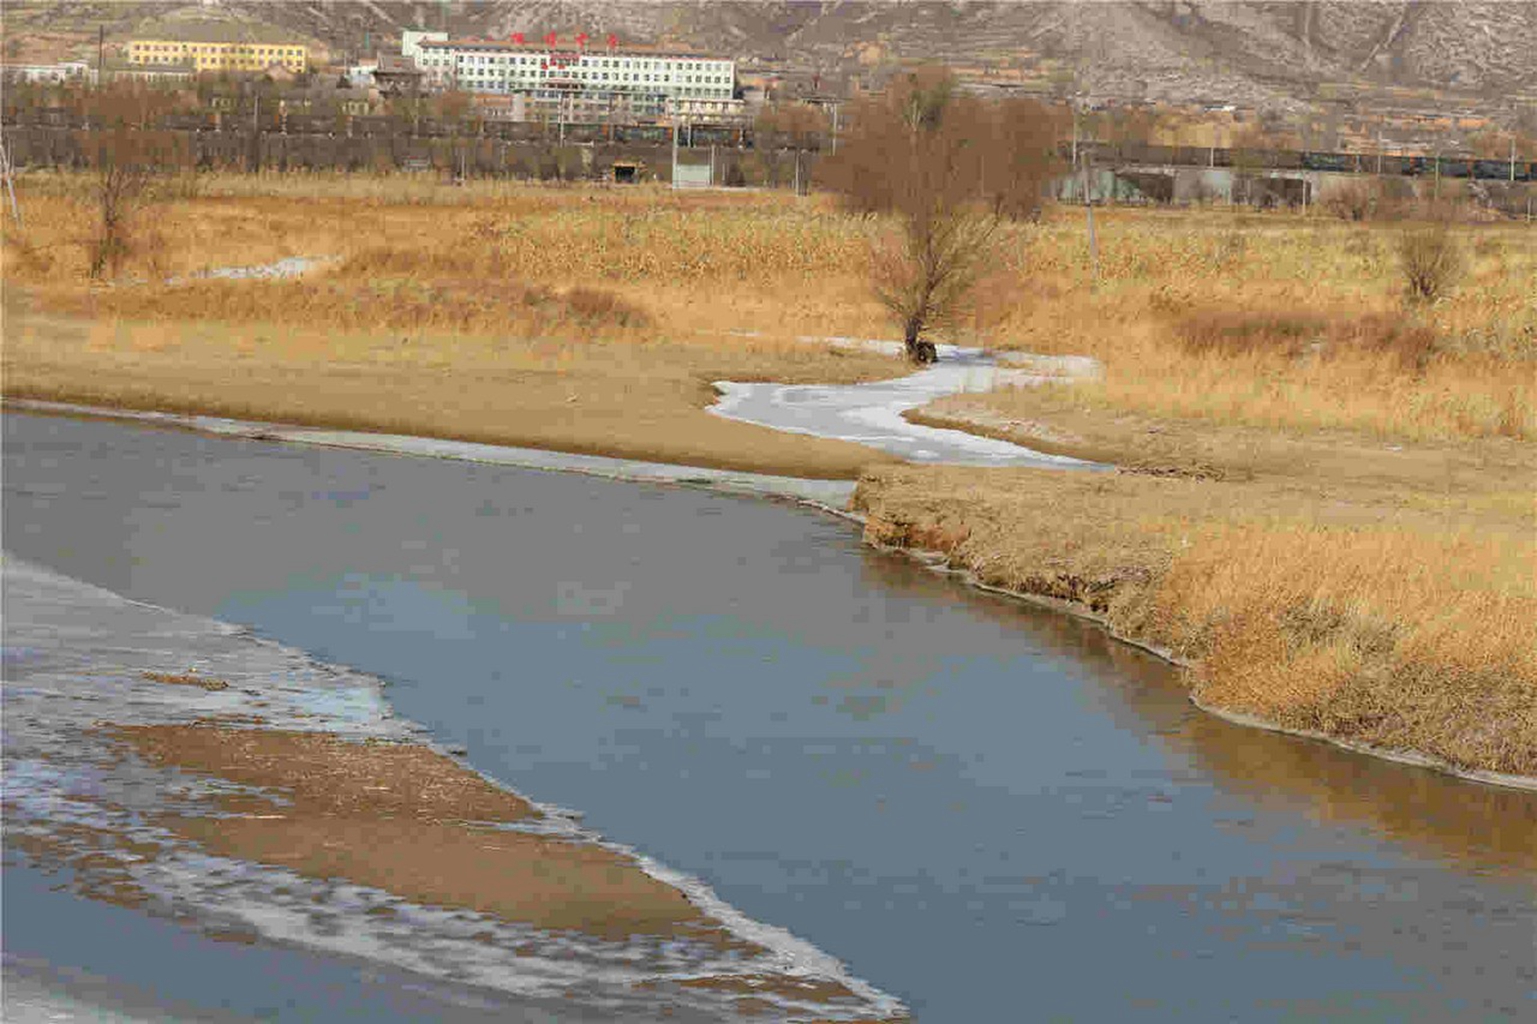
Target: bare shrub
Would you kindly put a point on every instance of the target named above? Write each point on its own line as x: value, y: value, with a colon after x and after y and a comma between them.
x: 1293, y: 335
x: 1431, y: 260
x: 1411, y: 344
x: 1236, y: 333
x: 597, y: 306
x: 1354, y: 200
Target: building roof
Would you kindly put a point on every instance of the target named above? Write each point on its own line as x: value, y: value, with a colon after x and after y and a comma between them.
x: 216, y: 30
x: 593, y: 47
x: 394, y: 63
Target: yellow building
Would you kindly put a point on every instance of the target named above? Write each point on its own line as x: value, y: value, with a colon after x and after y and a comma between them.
x: 220, y: 55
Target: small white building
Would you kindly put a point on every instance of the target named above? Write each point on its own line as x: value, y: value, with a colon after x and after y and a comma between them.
x: 361, y: 74
x: 411, y: 42
x: 65, y: 71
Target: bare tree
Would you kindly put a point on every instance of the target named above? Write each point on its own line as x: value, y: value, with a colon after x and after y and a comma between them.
x: 946, y: 169
x: 925, y: 274
x: 788, y: 127
x: 127, y: 154
x: 121, y: 182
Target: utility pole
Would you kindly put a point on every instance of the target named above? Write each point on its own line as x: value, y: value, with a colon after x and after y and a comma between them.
x: 10, y: 188
x: 1088, y: 204
x: 101, y: 50
x: 256, y: 136
x: 1073, y: 106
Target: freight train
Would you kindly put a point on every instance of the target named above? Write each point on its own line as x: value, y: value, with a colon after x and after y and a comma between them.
x: 1110, y: 155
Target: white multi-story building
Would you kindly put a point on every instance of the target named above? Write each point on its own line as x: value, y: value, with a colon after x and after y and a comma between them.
x: 574, y: 83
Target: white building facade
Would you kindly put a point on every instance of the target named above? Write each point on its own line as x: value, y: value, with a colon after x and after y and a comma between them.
x: 576, y: 84
x: 66, y: 71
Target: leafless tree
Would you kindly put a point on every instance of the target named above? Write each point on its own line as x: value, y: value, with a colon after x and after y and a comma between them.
x: 941, y: 171
x: 128, y: 153
x: 121, y: 182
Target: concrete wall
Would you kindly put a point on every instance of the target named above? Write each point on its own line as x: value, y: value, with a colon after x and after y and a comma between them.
x: 686, y: 175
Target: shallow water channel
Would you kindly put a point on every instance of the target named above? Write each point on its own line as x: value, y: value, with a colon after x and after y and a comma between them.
x: 990, y: 811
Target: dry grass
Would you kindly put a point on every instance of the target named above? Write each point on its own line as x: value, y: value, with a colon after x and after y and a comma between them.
x: 633, y: 398
x: 583, y: 320
x: 186, y: 679
x: 1279, y: 322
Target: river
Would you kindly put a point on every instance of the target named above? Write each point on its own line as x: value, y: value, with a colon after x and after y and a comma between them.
x: 991, y: 811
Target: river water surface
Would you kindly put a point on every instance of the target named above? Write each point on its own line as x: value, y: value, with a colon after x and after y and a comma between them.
x: 990, y: 811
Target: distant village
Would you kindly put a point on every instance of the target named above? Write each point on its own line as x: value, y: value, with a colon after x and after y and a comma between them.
x: 573, y: 77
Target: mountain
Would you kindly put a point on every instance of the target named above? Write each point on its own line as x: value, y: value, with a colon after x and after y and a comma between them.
x: 1470, y: 55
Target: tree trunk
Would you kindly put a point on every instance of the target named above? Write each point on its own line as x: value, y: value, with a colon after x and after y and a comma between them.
x: 918, y: 350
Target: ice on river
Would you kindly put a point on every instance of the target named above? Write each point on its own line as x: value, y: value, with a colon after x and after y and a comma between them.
x: 871, y: 413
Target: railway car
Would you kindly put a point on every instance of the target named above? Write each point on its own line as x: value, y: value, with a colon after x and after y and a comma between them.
x: 653, y: 133
x: 1456, y: 167
x: 1313, y: 161
x: 715, y: 135
x: 1285, y: 160
x: 310, y: 124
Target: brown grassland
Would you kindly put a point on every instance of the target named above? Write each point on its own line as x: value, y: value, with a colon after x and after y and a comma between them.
x: 550, y: 318
x: 1326, y: 501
